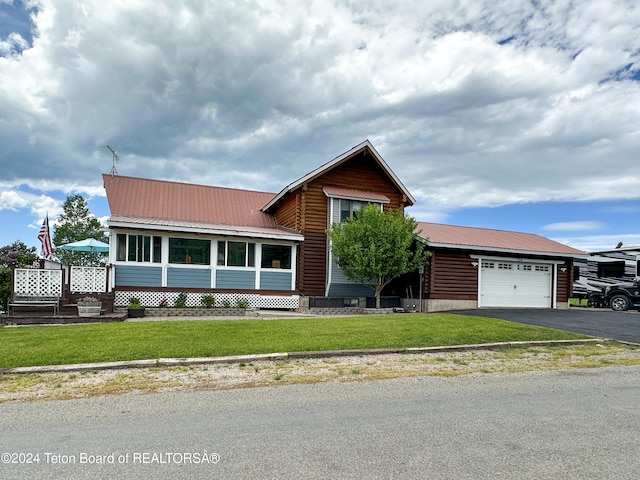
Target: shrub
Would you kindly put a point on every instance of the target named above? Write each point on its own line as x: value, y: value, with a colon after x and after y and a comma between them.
x: 242, y: 303
x: 134, y: 303
x: 209, y: 301
x: 181, y: 301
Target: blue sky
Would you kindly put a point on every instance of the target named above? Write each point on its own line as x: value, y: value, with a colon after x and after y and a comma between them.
x: 517, y: 115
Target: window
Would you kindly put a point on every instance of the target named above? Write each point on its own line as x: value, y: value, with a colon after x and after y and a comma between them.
x: 349, y: 209
x: 524, y: 268
x: 189, y: 251
x: 276, y: 256
x: 505, y: 266
x: 138, y: 248
x: 611, y: 269
x: 488, y: 265
x: 542, y: 268
x: 236, y: 254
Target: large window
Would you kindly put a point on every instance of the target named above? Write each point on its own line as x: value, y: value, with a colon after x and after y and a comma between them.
x: 276, y: 256
x: 349, y: 208
x: 138, y: 248
x: 236, y: 254
x: 189, y: 251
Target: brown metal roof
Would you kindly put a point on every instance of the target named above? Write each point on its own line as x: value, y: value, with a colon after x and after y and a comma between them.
x: 351, y: 193
x: 183, y: 202
x: 487, y: 239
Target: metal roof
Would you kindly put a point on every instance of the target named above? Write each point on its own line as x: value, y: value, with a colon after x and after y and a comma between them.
x: 352, y: 194
x: 452, y: 236
x: 188, y: 207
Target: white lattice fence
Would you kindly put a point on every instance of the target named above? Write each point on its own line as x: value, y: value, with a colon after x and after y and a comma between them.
x: 254, y: 300
x: 37, y: 283
x: 88, y: 279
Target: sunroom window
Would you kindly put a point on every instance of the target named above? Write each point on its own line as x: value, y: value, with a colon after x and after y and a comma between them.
x: 189, y: 251
x: 236, y: 254
x: 276, y: 256
x: 138, y: 248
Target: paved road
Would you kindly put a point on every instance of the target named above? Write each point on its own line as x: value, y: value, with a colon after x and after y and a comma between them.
x: 579, y: 424
x: 597, y: 322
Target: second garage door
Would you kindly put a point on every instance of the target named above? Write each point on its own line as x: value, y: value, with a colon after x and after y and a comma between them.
x: 515, y: 284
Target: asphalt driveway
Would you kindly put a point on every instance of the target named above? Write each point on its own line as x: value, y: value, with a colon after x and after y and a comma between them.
x: 605, y: 323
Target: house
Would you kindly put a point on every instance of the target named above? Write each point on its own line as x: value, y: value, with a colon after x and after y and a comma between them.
x: 478, y: 267
x: 271, y: 249
x: 169, y: 237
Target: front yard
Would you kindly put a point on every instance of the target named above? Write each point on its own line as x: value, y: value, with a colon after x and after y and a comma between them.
x: 58, y: 345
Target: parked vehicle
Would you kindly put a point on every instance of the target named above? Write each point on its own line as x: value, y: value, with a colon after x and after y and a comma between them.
x: 623, y: 296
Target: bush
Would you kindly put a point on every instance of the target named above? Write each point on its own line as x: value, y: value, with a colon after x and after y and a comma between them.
x: 181, y: 301
x: 242, y: 303
x: 208, y: 301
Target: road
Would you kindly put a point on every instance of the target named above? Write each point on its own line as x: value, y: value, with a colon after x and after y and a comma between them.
x: 598, y: 322
x: 579, y: 424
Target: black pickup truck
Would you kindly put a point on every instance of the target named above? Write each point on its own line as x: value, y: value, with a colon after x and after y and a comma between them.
x: 623, y: 296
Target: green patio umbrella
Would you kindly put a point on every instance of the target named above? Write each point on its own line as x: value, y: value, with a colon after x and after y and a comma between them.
x: 86, y: 245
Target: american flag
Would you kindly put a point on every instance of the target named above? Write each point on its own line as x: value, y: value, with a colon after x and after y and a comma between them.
x: 45, y: 237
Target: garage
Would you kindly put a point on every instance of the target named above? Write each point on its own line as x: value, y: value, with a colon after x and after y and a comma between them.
x: 515, y: 284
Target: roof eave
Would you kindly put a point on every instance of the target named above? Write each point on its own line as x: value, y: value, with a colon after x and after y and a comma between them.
x: 508, y: 250
x: 231, y: 231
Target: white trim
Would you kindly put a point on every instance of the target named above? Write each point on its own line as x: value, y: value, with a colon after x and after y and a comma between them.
x: 516, y: 259
x: 507, y: 250
x: 175, y: 230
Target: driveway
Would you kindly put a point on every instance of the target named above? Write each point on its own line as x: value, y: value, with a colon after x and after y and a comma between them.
x: 605, y: 323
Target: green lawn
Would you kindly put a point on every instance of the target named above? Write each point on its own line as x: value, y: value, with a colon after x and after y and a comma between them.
x: 29, y: 346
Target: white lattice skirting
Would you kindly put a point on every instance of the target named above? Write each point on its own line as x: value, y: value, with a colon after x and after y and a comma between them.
x: 156, y: 299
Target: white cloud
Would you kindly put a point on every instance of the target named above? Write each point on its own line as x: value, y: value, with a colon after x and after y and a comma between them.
x: 255, y: 95
x: 574, y: 226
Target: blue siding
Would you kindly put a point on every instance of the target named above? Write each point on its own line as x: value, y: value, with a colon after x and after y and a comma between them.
x: 275, y: 280
x: 138, y: 275
x: 188, y: 277
x: 236, y: 279
x: 350, y: 290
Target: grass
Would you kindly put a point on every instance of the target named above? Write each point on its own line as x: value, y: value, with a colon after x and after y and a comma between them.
x: 57, y: 345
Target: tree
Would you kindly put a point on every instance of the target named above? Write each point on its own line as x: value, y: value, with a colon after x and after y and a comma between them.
x: 15, y: 255
x: 375, y: 247
x: 77, y: 223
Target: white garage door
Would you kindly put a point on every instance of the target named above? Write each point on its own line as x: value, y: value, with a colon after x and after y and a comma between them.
x: 515, y: 284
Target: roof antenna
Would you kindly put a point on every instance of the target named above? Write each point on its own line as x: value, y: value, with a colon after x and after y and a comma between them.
x: 115, y: 159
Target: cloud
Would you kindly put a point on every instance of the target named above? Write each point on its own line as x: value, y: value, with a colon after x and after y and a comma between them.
x: 574, y: 226
x: 595, y: 243
x: 256, y: 95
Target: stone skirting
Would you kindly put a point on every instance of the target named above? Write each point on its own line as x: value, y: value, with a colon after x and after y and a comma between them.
x: 196, y: 312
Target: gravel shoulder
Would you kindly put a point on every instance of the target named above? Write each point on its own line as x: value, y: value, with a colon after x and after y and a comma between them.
x: 88, y: 383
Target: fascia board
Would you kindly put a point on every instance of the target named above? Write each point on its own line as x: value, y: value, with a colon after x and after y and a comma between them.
x: 507, y: 250
x: 207, y: 231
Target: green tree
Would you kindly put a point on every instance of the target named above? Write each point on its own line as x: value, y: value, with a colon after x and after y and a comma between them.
x: 375, y: 247
x: 77, y: 223
x: 15, y: 255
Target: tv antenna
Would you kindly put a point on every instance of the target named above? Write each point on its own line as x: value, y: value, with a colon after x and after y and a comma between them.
x: 115, y: 159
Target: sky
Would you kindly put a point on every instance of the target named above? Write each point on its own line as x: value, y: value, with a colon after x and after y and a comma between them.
x: 516, y: 115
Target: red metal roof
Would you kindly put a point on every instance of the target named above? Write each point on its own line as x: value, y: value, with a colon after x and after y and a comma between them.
x: 159, y: 199
x: 484, y: 238
x: 351, y: 193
